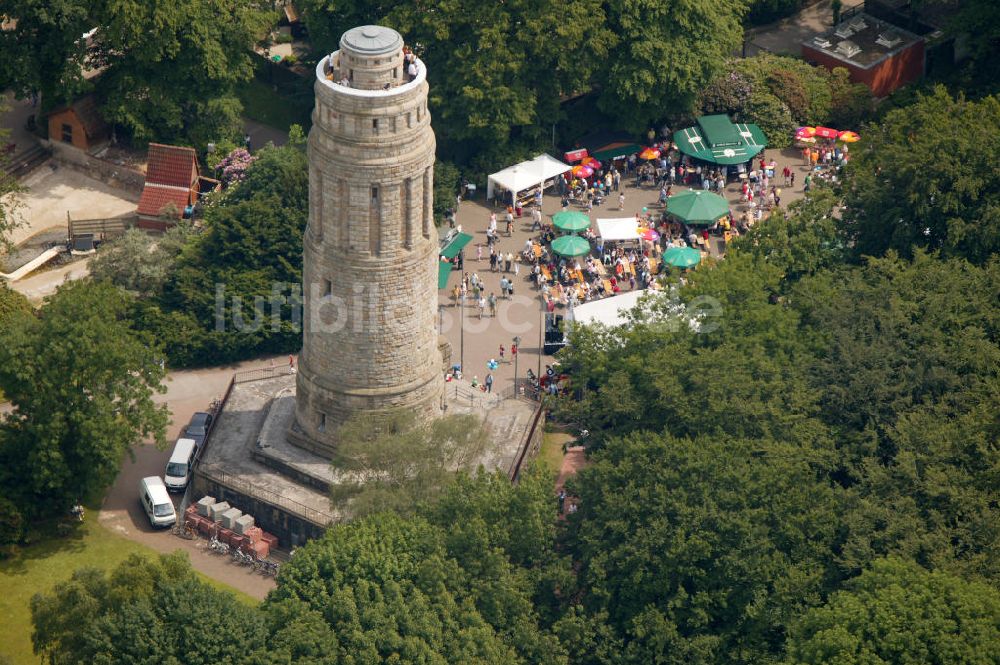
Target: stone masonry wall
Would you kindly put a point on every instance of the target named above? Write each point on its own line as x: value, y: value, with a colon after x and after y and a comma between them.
x: 370, y: 260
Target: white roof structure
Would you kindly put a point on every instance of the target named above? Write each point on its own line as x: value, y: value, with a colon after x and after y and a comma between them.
x: 608, y: 311
x: 527, y: 174
x: 622, y: 228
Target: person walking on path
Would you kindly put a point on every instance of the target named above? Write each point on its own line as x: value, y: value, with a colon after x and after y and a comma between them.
x: 479, y: 251
x: 493, y: 305
x: 501, y: 354
x: 509, y: 259
x: 482, y: 305
x: 489, y: 383
x: 621, y: 201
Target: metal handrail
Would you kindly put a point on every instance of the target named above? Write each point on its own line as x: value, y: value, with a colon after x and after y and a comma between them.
x: 516, y: 465
x: 239, y: 485
x: 259, y: 373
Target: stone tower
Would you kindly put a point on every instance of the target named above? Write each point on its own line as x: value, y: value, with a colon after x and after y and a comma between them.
x: 370, y: 341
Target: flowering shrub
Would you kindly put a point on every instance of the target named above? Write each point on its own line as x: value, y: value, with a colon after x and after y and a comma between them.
x: 727, y: 94
x: 233, y: 167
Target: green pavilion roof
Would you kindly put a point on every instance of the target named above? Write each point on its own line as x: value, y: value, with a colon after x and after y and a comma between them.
x: 444, y: 270
x: 717, y: 140
x: 616, y: 150
x: 456, y: 245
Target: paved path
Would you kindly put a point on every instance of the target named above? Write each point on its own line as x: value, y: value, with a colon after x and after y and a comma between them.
x: 45, y: 283
x: 261, y: 135
x: 522, y: 315
x: 187, y: 391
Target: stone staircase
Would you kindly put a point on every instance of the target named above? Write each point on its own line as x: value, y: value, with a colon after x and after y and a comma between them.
x: 25, y: 161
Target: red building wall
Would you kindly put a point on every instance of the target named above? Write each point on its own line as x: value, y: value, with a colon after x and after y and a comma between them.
x: 892, y: 73
x: 68, y: 117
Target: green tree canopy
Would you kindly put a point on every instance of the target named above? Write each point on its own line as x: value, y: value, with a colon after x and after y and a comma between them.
x: 897, y: 612
x: 81, y: 381
x: 172, y: 66
x: 145, y: 611
x: 391, y: 590
x: 669, y: 50
x: 43, y: 51
x: 926, y: 177
x: 251, y: 247
x: 393, y: 463
x: 139, y: 263
x: 702, y: 550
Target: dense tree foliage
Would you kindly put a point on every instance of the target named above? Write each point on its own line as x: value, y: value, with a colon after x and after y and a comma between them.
x: 926, y: 177
x: 144, y: 611
x: 169, y: 68
x: 498, y: 70
x: 898, y: 612
x: 393, y: 463
x: 44, y: 53
x: 452, y: 584
x: 781, y: 93
x: 139, y: 263
x: 702, y: 550
x: 12, y: 304
x: 81, y: 382
x: 669, y: 51
x: 233, y: 287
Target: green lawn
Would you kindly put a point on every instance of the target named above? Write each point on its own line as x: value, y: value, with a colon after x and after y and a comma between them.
x: 39, y: 567
x: 263, y: 104
x: 551, y: 454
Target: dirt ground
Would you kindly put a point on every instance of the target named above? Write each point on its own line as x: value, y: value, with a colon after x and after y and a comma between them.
x: 52, y: 193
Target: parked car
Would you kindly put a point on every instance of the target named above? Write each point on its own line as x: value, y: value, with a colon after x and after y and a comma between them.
x: 156, y: 502
x: 197, y: 429
x: 178, y: 471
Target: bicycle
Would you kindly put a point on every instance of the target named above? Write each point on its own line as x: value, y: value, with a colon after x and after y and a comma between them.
x: 185, y: 530
x: 246, y: 558
x: 217, y: 545
x: 268, y: 567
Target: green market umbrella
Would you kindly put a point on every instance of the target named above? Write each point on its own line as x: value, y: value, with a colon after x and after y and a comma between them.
x: 697, y: 207
x: 571, y: 246
x: 682, y: 257
x: 571, y: 221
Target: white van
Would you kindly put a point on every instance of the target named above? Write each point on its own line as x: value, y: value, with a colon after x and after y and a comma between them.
x: 179, y: 467
x: 156, y: 502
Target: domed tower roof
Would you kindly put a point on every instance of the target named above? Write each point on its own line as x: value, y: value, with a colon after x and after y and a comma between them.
x: 372, y: 57
x: 371, y: 40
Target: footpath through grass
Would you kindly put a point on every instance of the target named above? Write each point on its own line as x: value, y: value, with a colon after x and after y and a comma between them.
x: 39, y: 567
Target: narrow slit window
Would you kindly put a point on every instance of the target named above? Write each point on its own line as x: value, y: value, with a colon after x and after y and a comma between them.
x: 327, y: 288
x: 375, y: 125
x: 374, y: 193
x: 322, y: 422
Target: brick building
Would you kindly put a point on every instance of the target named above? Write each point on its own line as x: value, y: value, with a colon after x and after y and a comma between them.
x: 878, y: 54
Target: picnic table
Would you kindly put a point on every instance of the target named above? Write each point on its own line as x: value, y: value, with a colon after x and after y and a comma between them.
x: 537, y: 249
x: 546, y: 273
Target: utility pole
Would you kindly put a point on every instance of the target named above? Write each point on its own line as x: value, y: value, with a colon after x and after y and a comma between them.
x: 517, y: 347
x: 541, y: 343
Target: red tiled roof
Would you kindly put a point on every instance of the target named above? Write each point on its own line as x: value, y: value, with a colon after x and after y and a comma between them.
x: 171, y: 165
x: 154, y: 198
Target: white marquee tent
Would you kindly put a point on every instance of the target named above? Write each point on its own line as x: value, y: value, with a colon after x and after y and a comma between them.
x: 608, y: 311
x: 622, y: 228
x: 525, y: 175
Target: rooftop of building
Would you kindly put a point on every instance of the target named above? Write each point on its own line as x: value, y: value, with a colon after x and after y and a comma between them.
x: 862, y: 41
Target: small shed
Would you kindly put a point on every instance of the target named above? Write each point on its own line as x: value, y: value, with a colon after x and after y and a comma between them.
x: 80, y: 124
x: 172, y: 185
